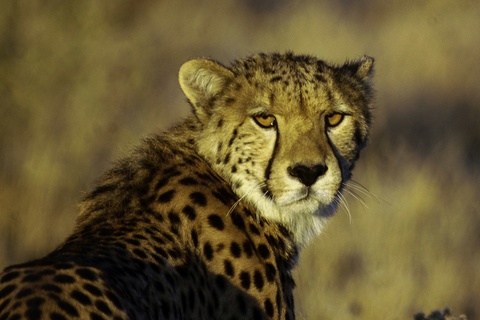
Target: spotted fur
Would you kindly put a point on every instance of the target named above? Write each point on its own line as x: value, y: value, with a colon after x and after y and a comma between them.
x: 205, y: 220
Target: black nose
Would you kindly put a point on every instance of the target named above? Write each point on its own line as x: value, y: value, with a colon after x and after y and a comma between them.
x: 307, y: 175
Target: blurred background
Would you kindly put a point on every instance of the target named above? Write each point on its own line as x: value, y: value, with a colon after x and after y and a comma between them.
x: 81, y: 82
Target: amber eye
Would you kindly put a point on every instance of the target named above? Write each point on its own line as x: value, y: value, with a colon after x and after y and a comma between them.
x: 334, y: 119
x: 265, y: 121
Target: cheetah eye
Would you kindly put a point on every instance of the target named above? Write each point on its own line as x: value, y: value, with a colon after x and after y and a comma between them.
x: 335, y: 119
x: 266, y: 122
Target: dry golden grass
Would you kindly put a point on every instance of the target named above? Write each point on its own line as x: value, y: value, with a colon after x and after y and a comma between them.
x: 81, y: 81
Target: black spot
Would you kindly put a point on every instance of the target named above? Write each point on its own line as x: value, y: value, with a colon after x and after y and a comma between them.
x: 216, y: 222
x: 263, y: 251
x: 206, y: 177
x: 272, y: 99
x: 198, y: 198
x: 25, y: 292
x: 254, y: 229
x: 113, y: 298
x: 229, y: 101
x: 234, y: 169
x: 93, y: 290
x: 157, y: 240
x: 188, y: 181
x: 168, y: 237
x: 235, y: 249
x: 161, y: 183
x: 268, y: 307
x: 194, y: 238
x: 2, y: 307
x: 101, y: 189
x: 166, y: 196
x: 245, y: 280
x: 140, y: 253
x: 132, y: 241
x: 103, y: 307
x: 237, y: 221
x: 229, y: 270
x: 86, y: 274
x: 320, y: 77
x: 220, y: 247
x: 247, y: 247
x: 35, y: 302
x: 174, y: 253
x: 275, y: 79
x: 235, y: 132
x: 68, y: 308
x: 173, y: 217
x: 7, y: 290
x: 81, y: 297
x: 227, y: 158
x: 63, y: 266
x: 219, y: 147
x: 189, y: 212
x: 56, y: 316
x: 223, y: 195
x: 34, y: 277
x: 9, y: 276
x: 31, y: 314
x: 51, y: 288
x: 208, y: 251
x: 258, y: 280
x: 270, y: 272
x: 139, y: 236
x: 158, y: 217
x: 172, y: 171
x: 96, y: 316
x: 220, y: 123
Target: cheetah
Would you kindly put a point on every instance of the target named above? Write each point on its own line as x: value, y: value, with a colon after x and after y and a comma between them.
x: 206, y: 220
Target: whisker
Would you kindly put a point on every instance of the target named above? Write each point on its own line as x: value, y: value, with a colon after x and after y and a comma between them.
x: 357, y: 197
x: 343, y: 201
x: 259, y: 185
x: 355, y: 186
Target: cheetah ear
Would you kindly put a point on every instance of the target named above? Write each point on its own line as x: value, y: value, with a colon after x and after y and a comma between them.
x: 362, y: 68
x: 202, y: 80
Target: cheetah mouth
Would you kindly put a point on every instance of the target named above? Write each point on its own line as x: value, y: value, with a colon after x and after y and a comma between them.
x: 308, y: 196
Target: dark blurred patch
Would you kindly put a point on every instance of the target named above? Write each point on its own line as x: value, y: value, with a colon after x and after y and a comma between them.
x: 349, y: 266
x: 469, y: 308
x: 439, y: 130
x: 264, y: 7
x: 9, y: 32
x: 124, y: 14
x: 355, y: 308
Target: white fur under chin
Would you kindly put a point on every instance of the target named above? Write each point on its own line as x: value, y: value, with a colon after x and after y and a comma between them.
x: 305, y: 221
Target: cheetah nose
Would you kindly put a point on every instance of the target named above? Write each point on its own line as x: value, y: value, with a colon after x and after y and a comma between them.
x: 307, y: 175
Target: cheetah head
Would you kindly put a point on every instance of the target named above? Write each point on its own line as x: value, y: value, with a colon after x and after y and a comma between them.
x: 283, y: 130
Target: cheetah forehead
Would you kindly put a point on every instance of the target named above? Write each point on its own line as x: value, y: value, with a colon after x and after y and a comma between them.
x: 301, y: 68
x: 300, y: 79
x: 293, y: 79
